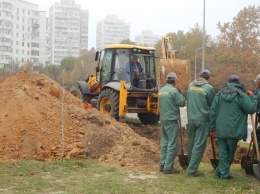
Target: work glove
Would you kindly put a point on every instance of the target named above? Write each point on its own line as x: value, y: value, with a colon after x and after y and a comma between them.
x: 249, y: 92
x: 212, y: 133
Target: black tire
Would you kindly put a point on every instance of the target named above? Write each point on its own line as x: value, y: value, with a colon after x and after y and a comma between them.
x: 77, y: 92
x: 108, y: 103
x: 148, y: 118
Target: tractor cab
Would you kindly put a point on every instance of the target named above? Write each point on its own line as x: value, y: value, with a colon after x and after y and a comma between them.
x: 133, y: 64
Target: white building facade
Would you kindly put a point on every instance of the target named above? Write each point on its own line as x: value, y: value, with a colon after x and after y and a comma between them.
x: 147, y: 38
x: 111, y: 30
x: 68, y: 31
x: 22, y: 26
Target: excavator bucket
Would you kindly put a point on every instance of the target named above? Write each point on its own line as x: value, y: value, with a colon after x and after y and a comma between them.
x: 170, y: 63
x: 180, y: 67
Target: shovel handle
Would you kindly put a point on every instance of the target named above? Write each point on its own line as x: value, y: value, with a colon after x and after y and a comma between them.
x: 255, y: 138
x: 212, y: 145
x: 250, y: 145
x: 181, y: 136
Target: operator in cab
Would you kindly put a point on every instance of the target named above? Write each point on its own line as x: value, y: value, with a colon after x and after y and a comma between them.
x: 137, y: 70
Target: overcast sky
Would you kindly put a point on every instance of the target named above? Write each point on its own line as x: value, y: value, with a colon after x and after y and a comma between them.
x: 159, y: 16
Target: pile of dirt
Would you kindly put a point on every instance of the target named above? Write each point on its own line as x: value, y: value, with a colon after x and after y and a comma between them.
x: 40, y: 120
x: 35, y: 110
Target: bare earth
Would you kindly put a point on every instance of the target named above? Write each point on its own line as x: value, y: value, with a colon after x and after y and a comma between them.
x: 31, y: 127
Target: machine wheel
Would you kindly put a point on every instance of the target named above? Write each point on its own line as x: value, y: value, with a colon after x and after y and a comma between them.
x: 77, y: 92
x: 148, y: 118
x: 108, y: 103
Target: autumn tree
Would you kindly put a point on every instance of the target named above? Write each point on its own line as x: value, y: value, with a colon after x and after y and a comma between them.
x: 239, y: 45
x: 127, y: 41
x: 68, y: 63
x: 52, y: 71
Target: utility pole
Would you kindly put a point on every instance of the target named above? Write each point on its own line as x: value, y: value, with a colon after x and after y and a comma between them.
x: 203, y: 38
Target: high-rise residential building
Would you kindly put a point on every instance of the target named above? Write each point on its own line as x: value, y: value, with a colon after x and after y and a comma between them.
x: 22, y: 26
x: 147, y: 38
x: 111, y: 30
x: 68, y: 30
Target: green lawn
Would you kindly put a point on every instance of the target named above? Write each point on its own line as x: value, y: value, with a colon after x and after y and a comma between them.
x: 85, y: 176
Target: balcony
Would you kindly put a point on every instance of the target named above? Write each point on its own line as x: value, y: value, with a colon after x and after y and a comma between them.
x: 34, y: 25
x: 6, y: 35
x: 7, y: 17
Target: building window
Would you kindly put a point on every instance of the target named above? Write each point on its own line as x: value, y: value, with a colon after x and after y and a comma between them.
x: 22, y: 43
x: 28, y: 44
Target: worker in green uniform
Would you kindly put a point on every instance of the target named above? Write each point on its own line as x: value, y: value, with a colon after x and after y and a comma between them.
x: 200, y: 95
x: 228, y: 119
x: 170, y: 99
x: 257, y: 93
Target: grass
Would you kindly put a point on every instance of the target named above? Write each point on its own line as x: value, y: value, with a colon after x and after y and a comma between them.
x: 85, y: 176
x: 243, y: 144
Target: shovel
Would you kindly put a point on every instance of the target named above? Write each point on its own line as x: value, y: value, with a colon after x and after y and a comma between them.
x: 214, y: 162
x: 246, y: 157
x: 256, y: 167
x: 248, y: 165
x: 183, y: 159
x: 248, y: 161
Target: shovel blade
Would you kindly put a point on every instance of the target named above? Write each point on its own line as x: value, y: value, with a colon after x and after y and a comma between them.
x: 244, y: 159
x: 248, y: 165
x: 214, y: 163
x: 256, y: 171
x: 184, y: 161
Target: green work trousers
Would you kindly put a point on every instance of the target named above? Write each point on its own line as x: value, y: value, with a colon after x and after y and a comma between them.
x: 227, y: 148
x: 198, y: 133
x: 169, y: 144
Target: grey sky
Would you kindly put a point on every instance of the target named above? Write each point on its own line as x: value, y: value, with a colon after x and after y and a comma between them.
x: 159, y: 16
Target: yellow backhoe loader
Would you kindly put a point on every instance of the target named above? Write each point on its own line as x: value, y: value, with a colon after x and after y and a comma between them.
x: 116, y: 89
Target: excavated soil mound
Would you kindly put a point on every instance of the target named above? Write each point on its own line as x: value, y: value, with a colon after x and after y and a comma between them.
x: 35, y: 111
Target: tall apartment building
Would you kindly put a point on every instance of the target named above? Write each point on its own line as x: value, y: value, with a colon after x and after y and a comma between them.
x: 20, y: 32
x: 68, y: 30
x: 111, y: 30
x: 147, y: 38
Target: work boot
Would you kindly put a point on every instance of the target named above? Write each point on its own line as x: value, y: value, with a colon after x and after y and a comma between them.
x: 195, y: 174
x: 229, y: 177
x: 172, y: 171
x: 161, y: 168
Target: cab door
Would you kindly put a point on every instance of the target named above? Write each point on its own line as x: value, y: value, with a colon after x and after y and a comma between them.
x: 105, y: 74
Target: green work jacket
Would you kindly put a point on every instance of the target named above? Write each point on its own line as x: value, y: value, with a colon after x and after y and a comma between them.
x: 229, y: 112
x: 169, y: 102
x: 200, y: 96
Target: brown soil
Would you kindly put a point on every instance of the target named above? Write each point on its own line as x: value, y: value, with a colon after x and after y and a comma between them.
x: 35, y: 111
